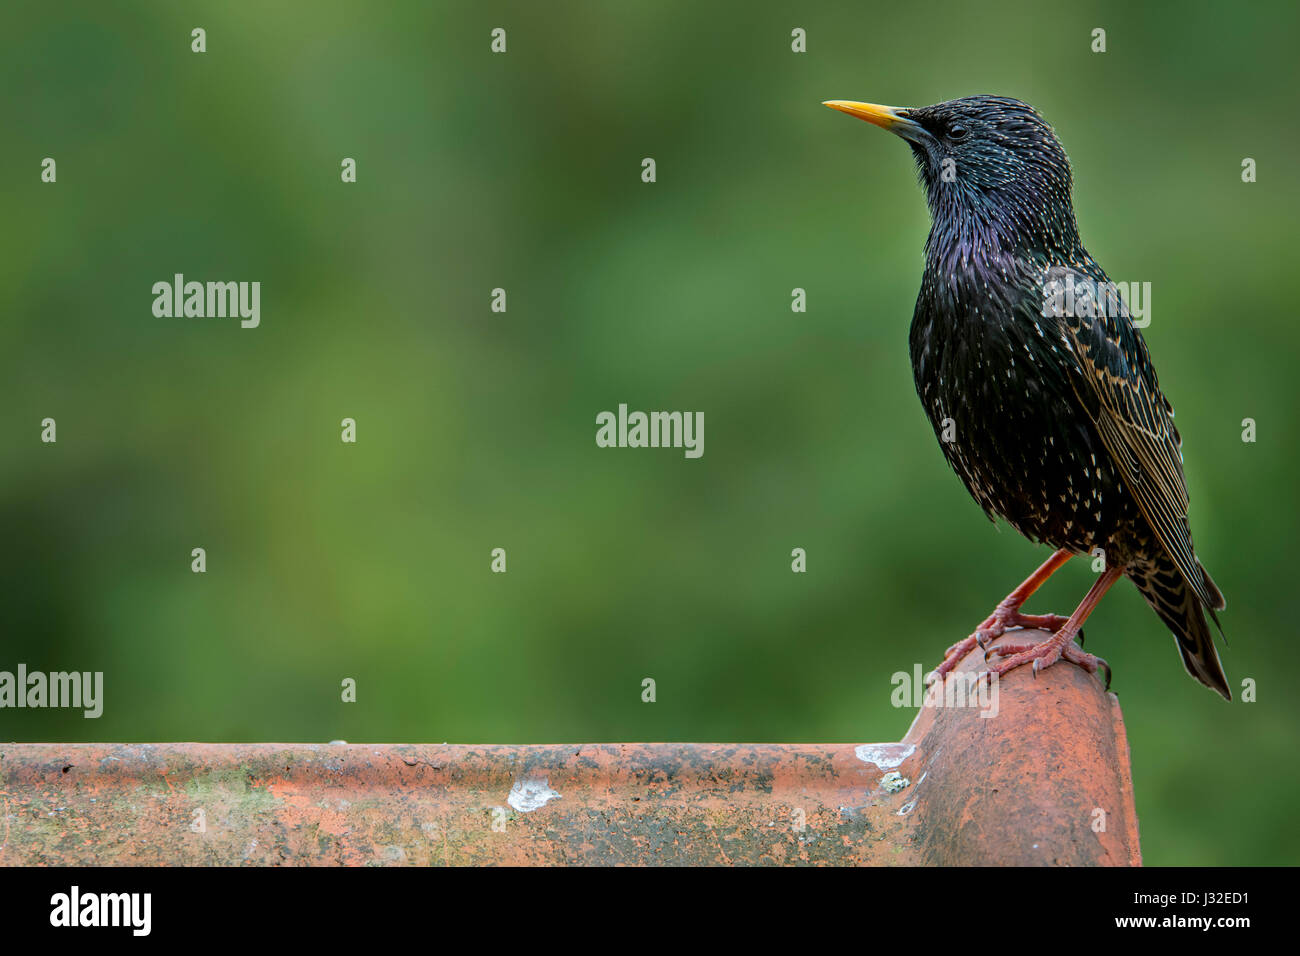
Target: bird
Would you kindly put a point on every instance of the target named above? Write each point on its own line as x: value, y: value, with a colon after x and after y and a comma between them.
x: 1040, y: 388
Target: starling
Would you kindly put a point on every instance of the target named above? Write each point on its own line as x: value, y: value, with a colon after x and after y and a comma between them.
x: 1038, y: 385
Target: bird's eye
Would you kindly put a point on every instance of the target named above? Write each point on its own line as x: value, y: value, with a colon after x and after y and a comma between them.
x: 957, y: 132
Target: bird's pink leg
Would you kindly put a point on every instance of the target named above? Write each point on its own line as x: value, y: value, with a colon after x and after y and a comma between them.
x: 1007, y: 615
x: 1061, y: 644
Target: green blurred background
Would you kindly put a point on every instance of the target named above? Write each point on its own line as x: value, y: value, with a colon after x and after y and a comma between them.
x: 476, y: 430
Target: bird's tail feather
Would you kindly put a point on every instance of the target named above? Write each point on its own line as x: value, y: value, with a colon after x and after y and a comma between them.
x: 1219, y: 601
x: 1178, y: 606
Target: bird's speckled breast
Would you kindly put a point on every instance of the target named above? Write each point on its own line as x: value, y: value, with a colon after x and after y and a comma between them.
x: 994, y: 377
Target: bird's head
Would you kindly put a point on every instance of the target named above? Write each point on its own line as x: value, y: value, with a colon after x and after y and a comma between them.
x: 985, y: 159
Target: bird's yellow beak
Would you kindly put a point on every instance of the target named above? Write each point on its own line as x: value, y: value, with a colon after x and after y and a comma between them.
x: 892, y: 118
x: 886, y: 117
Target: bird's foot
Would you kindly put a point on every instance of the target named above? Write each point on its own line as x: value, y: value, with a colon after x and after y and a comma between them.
x: 1044, y: 654
x: 1004, y: 617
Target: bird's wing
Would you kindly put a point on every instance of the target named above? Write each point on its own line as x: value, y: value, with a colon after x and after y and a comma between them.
x: 1117, y: 385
